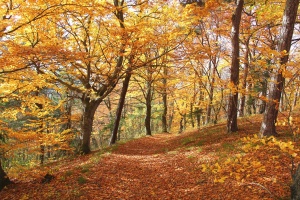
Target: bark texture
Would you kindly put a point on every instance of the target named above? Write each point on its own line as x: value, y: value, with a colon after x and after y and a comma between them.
x: 90, y: 107
x: 277, y: 80
x: 148, y: 109
x: 164, y: 115
x: 246, y: 71
x: 234, y: 74
x: 295, y: 187
x: 165, y: 102
x: 120, y: 108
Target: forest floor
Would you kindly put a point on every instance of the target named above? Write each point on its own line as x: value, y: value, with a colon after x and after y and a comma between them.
x: 163, y: 166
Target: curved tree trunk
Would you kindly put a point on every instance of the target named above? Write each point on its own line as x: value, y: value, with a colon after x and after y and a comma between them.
x: 120, y: 108
x: 4, y: 180
x: 234, y: 75
x: 277, y: 80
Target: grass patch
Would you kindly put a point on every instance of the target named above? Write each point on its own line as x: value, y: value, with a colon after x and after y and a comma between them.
x: 96, y: 159
x: 85, y: 169
x: 68, y: 173
x: 109, y: 149
x: 81, y: 180
x: 191, y: 157
x: 76, y: 192
x: 172, y: 152
x: 186, y: 141
x: 224, y: 150
x: 226, y: 146
x: 199, y: 150
x: 200, y: 143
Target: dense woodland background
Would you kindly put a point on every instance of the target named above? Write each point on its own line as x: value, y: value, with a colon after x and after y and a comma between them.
x: 78, y: 76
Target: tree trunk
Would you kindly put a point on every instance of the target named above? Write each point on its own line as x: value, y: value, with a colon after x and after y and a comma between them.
x: 164, y: 115
x: 42, y: 154
x: 120, y: 108
x: 263, y: 104
x: 211, y: 93
x: 42, y: 146
x: 246, y: 70
x: 90, y: 107
x: 148, y: 109
x: 277, y: 80
x: 4, y: 180
x: 192, y: 115
x: 249, y: 100
x: 171, y: 115
x: 296, y: 97
x: 198, y: 117
x: 234, y: 75
x: 283, y: 102
x: 181, y: 126
x: 68, y: 108
x: 184, y: 122
x: 295, y: 187
x: 165, y: 102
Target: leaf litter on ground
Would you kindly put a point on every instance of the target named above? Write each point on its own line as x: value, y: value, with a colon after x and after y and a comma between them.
x: 164, y: 166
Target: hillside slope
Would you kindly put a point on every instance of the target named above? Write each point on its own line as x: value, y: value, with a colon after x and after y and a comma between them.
x: 164, y: 166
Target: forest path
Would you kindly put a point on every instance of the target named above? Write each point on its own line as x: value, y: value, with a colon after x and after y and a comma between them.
x: 153, y: 168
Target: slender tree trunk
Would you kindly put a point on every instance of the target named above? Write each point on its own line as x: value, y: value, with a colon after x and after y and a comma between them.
x: 120, y: 108
x: 283, y: 102
x: 42, y: 146
x: 107, y: 102
x: 68, y: 108
x: 296, y: 97
x: 277, y: 80
x: 165, y: 112
x: 184, y: 122
x: 181, y: 126
x: 165, y: 102
x: 234, y: 75
x: 192, y: 115
x: 246, y: 70
x: 263, y: 104
x: 171, y: 116
x: 90, y: 107
x: 4, y: 180
x: 148, y: 109
x: 209, y: 109
x: 198, y: 118
x: 249, y: 100
x: 211, y: 93
x: 42, y: 154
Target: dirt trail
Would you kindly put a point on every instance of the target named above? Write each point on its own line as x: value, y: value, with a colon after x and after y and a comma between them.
x: 146, y: 169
